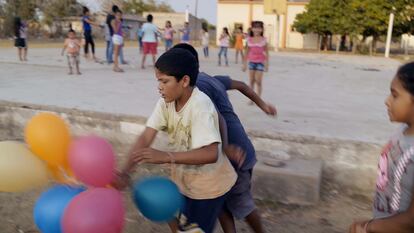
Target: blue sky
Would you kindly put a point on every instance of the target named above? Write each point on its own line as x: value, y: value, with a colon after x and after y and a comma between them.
x: 206, y: 8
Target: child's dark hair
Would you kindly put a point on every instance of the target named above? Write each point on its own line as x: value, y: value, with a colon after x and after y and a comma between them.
x: 115, y: 8
x: 178, y: 62
x: 17, y: 25
x: 85, y: 10
x: 256, y: 24
x: 71, y: 31
x: 406, y: 75
x: 150, y: 18
x: 226, y: 30
x: 189, y: 48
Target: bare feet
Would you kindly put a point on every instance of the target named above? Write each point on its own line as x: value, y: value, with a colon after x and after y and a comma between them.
x: 70, y: 73
x: 119, y: 70
x: 78, y: 73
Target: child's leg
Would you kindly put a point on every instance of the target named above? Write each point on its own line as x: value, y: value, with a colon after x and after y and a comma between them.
x: 93, y: 47
x: 237, y: 56
x: 255, y: 222
x: 219, y: 55
x: 77, y: 64
x: 227, y: 221
x: 69, y: 58
x: 258, y: 80
x: 225, y: 56
x: 86, y: 47
x: 201, y: 213
x: 240, y: 202
x: 144, y: 56
x: 252, y: 78
x: 25, y: 54
x: 19, y: 52
x: 116, y: 59
x: 207, y: 51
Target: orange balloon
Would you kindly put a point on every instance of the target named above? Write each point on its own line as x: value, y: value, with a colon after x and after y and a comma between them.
x: 48, y: 137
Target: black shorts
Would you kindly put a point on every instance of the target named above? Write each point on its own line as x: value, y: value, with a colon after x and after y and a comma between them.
x: 20, y: 43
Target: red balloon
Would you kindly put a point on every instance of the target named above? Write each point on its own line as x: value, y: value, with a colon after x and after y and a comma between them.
x: 97, y: 210
x: 92, y: 160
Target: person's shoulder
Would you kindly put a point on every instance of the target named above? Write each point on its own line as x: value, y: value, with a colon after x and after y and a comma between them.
x: 202, y: 102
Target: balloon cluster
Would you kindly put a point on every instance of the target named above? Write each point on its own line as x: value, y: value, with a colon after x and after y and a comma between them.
x: 52, y: 152
x: 82, y: 201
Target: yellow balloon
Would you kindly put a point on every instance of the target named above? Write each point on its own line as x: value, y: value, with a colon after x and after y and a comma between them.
x: 20, y: 169
x: 48, y: 137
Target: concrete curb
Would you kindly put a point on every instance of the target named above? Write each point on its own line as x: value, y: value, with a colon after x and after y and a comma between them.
x: 350, y: 165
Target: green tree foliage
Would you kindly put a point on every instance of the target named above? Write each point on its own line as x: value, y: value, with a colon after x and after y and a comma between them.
x: 139, y: 6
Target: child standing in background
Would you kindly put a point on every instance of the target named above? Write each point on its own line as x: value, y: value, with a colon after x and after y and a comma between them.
x: 72, y: 47
x: 257, y: 56
x: 224, y: 45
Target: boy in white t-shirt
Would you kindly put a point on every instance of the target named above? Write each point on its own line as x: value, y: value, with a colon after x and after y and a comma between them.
x: 199, y: 168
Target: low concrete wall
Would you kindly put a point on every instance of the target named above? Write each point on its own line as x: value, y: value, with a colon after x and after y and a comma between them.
x: 348, y: 164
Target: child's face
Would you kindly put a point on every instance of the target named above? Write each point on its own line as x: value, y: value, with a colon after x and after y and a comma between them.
x: 257, y: 31
x: 71, y: 35
x: 118, y: 16
x: 168, y: 86
x: 400, y: 104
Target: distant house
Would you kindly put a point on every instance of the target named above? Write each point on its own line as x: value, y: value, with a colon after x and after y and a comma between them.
x: 278, y: 28
x: 177, y: 21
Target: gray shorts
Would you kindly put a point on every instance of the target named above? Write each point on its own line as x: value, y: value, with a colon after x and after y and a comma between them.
x: 240, y: 201
x: 73, y: 59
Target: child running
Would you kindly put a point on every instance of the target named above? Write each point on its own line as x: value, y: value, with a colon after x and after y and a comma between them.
x: 224, y: 45
x: 239, y: 202
x: 393, y: 208
x: 257, y: 55
x: 72, y: 47
x: 199, y: 168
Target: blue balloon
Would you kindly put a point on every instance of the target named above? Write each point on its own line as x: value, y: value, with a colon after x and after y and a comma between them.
x: 50, y: 206
x: 158, y: 198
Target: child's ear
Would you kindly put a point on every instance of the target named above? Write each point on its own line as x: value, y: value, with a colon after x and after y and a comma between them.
x: 186, y: 81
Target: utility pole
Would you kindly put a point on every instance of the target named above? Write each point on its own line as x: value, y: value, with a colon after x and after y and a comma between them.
x: 389, y: 35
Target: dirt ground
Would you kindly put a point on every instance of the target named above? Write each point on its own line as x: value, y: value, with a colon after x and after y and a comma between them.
x: 333, y: 214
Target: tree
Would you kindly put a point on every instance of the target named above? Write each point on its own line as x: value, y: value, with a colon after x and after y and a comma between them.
x: 25, y: 9
x: 55, y: 10
x: 139, y: 6
x: 316, y: 19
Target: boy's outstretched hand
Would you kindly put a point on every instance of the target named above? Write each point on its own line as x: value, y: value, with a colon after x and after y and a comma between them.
x: 270, y: 110
x: 235, y: 154
x: 149, y: 155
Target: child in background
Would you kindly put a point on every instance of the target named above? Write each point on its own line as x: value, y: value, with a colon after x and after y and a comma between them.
x: 205, y: 40
x: 224, y: 45
x: 117, y: 39
x: 393, y: 208
x: 238, y: 45
x: 257, y: 56
x: 185, y: 38
x: 72, y: 47
x: 168, y: 35
x: 20, y: 30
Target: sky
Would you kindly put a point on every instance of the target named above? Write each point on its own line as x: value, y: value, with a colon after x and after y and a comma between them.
x: 206, y: 8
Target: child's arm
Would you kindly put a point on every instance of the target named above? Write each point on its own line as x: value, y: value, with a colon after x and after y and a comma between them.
x: 249, y: 93
x: 204, y: 155
x: 399, y: 223
x: 234, y: 153
x: 267, y: 58
x: 65, y: 45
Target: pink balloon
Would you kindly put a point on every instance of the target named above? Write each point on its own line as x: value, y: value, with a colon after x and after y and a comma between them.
x: 97, y: 210
x: 92, y: 160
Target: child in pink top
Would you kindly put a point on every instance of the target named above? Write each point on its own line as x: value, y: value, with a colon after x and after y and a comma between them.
x: 257, y: 56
